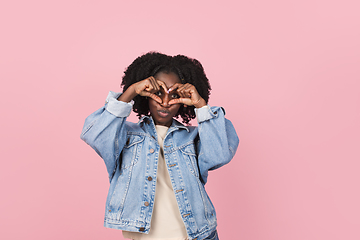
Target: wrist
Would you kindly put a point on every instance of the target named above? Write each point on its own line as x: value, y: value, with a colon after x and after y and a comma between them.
x: 200, y: 103
x: 128, y: 95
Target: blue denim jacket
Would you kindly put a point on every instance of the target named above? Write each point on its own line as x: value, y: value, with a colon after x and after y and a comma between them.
x: 131, y: 152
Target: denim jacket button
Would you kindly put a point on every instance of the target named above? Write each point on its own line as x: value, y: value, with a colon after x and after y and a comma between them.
x: 151, y: 150
x: 142, y: 229
x: 146, y: 204
x: 149, y: 178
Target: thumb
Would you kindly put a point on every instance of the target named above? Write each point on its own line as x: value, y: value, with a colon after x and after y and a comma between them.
x: 186, y: 101
x: 174, y: 101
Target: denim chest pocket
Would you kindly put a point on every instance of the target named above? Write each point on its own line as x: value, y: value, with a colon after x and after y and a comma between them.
x: 190, y: 158
x: 131, y: 151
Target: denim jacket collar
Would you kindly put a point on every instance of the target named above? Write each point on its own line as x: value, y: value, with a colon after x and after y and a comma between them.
x: 176, y: 125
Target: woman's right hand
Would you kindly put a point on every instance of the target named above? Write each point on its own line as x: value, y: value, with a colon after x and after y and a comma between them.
x: 146, y: 88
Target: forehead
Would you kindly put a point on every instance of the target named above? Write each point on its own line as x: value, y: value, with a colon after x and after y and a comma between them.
x: 168, y: 78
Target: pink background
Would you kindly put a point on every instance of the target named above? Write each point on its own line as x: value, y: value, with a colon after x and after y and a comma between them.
x: 287, y: 72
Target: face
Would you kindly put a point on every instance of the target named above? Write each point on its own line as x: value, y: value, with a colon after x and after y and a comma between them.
x: 163, y: 113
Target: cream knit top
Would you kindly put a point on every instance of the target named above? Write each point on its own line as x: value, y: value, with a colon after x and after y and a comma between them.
x: 166, y: 221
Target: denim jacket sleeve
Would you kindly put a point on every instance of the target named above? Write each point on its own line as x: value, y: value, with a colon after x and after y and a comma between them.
x: 218, y: 140
x: 103, y: 130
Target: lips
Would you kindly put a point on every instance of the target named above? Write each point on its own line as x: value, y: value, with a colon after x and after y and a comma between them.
x: 163, y: 113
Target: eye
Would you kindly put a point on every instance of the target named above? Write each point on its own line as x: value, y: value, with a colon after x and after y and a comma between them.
x: 158, y: 93
x: 174, y: 95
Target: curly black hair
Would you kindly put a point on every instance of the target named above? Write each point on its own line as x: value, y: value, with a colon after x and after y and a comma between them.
x: 187, y: 69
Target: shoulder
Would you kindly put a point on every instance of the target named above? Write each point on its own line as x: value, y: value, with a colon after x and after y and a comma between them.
x: 133, y: 127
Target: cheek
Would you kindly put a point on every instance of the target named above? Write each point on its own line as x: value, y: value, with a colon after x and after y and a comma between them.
x: 152, y: 104
x: 176, y: 107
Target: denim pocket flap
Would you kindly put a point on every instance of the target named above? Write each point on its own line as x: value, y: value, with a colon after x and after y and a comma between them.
x: 132, y: 140
x: 189, y: 150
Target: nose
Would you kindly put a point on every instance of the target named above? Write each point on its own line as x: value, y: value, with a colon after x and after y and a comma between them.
x: 165, y: 100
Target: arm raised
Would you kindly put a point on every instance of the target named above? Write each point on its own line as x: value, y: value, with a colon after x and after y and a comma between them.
x: 104, y: 130
x: 218, y: 140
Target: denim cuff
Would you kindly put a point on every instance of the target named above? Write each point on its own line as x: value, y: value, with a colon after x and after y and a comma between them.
x: 206, y: 113
x: 115, y: 107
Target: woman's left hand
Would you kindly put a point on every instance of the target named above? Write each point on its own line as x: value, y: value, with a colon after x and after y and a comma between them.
x: 188, y: 95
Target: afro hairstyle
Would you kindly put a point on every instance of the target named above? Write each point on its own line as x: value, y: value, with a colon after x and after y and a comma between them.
x: 187, y: 69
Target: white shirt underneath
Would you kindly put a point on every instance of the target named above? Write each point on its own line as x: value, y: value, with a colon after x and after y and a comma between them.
x: 166, y: 221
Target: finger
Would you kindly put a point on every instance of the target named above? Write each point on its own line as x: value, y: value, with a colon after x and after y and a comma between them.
x: 175, y: 86
x: 153, y: 96
x: 185, y: 86
x: 191, y: 91
x: 185, y: 89
x: 181, y: 87
x: 186, y: 101
x: 180, y: 93
x: 162, y: 84
x: 174, y: 101
x: 183, y: 92
x: 149, y: 86
x: 180, y: 90
x: 188, y: 92
x: 155, y: 85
